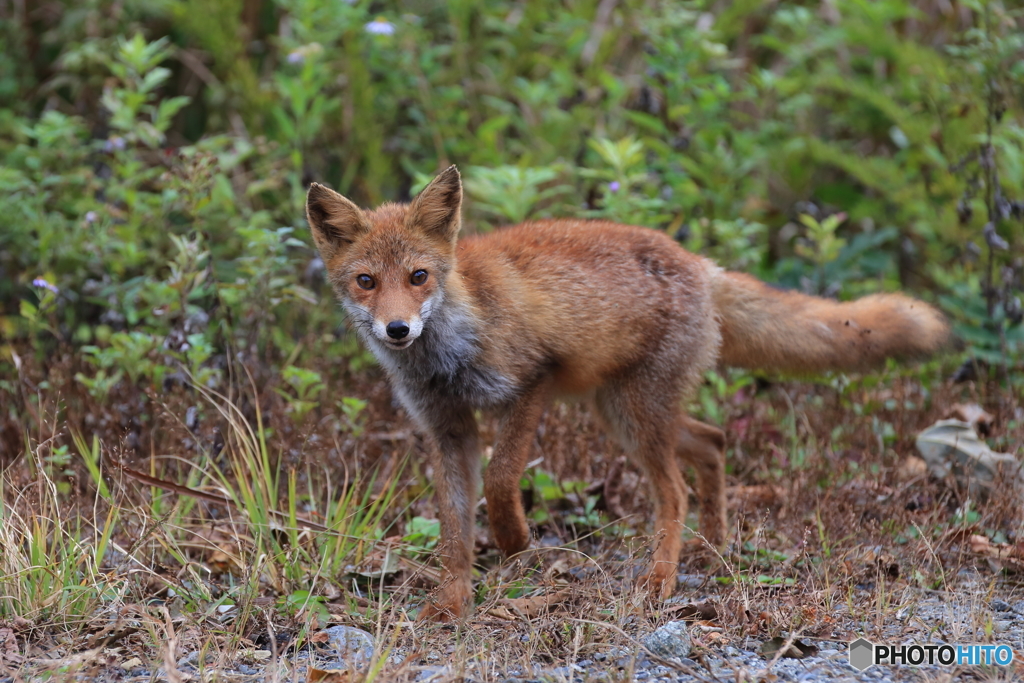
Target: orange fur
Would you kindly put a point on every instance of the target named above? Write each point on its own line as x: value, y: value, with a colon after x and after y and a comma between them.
x: 766, y: 328
x: 619, y: 314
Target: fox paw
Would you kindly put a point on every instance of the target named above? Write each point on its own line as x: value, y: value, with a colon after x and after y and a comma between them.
x: 439, y: 612
x: 451, y: 604
x: 659, y: 582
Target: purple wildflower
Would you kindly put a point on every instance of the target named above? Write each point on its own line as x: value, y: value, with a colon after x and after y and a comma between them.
x: 42, y: 283
x: 380, y: 27
x: 614, y: 186
x: 115, y: 143
x: 90, y: 216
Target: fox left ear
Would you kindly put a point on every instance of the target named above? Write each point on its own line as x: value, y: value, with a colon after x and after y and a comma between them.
x: 436, y: 211
x: 336, y: 222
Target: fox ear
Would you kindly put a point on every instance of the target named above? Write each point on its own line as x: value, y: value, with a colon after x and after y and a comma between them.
x: 436, y: 211
x: 336, y: 222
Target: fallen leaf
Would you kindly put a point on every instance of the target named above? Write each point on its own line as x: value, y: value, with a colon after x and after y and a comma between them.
x: 796, y: 649
x: 133, y: 663
x: 533, y: 606
x: 912, y: 467
x: 694, y: 611
x: 315, y: 675
x: 1013, y: 554
x: 381, y: 562
x: 502, y: 613
x: 979, y: 544
x: 974, y: 415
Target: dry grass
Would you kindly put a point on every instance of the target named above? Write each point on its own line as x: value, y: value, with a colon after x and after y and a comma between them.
x: 256, y: 531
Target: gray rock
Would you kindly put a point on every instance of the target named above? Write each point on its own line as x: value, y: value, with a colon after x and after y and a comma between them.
x: 953, y: 448
x: 671, y: 640
x: 192, y: 659
x: 998, y: 605
x: 691, y: 580
x: 354, y: 646
x: 432, y: 673
x: 1018, y: 607
x: 1001, y: 625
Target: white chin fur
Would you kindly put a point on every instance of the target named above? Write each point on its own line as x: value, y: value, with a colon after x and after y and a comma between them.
x: 415, y: 324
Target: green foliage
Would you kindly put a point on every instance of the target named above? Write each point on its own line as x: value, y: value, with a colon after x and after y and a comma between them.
x: 630, y: 195
x: 549, y: 494
x: 509, y: 193
x: 135, y: 111
x: 155, y: 177
x: 352, y: 413
x: 306, y: 386
x: 421, y: 535
x: 821, y: 246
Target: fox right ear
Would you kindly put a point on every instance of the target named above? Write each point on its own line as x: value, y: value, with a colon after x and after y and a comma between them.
x: 336, y: 222
x: 436, y: 210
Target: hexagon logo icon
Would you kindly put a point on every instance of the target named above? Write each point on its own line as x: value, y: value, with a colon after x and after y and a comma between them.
x: 862, y: 654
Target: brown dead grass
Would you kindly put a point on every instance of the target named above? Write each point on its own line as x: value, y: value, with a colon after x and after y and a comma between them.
x: 829, y: 538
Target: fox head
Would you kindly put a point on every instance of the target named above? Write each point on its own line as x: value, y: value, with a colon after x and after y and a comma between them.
x: 388, y: 266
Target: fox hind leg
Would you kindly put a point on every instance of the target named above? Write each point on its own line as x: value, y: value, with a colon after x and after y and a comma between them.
x: 646, y: 422
x: 702, y: 447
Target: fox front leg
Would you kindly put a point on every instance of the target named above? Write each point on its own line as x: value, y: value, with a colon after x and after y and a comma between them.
x: 501, y: 481
x: 456, y: 475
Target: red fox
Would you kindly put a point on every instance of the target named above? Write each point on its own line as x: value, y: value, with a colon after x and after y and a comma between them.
x: 576, y: 308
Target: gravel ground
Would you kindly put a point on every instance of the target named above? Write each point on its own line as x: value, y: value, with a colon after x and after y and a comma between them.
x: 929, y: 617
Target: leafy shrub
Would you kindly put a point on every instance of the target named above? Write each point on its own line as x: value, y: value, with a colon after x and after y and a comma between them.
x: 155, y: 161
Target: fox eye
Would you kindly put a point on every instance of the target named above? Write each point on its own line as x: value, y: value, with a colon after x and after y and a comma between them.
x: 419, y: 277
x: 365, y: 281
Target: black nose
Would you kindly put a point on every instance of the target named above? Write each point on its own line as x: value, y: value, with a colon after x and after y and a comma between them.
x: 397, y: 329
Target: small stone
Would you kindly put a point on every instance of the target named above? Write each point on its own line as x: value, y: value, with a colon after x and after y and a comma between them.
x: 1002, y: 625
x: 354, y: 646
x: 432, y: 673
x: 671, y: 640
x: 192, y: 659
x: 1018, y: 607
x: 691, y: 581
x: 998, y: 605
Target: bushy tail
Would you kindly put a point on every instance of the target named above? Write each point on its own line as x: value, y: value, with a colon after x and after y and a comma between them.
x: 772, y: 329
